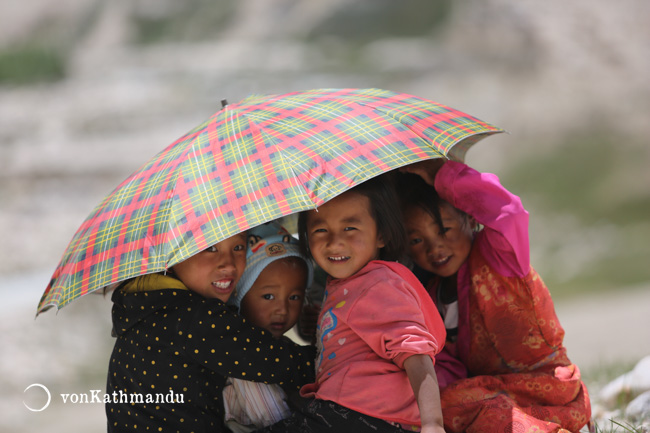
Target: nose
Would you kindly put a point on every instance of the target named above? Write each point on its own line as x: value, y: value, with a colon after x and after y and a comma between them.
x: 226, y: 262
x: 281, y: 307
x: 433, y: 244
x: 333, y: 239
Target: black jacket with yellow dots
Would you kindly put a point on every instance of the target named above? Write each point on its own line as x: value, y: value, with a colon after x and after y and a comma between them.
x: 173, y: 352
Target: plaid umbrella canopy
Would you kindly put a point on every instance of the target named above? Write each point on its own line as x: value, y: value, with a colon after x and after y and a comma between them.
x: 255, y: 161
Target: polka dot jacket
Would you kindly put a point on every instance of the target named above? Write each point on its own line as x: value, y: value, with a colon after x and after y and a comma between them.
x: 173, y: 352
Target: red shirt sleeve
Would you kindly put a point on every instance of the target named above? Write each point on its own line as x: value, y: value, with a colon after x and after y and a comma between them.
x: 397, y: 319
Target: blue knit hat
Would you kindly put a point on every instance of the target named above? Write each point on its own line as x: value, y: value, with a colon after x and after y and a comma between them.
x: 266, y: 244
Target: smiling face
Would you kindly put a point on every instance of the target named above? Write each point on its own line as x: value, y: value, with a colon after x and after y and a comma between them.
x: 435, y: 249
x: 275, y: 300
x: 215, y: 271
x: 342, y: 235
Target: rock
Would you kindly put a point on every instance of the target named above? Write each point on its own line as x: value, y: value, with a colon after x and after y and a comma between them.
x: 639, y: 408
x: 632, y: 383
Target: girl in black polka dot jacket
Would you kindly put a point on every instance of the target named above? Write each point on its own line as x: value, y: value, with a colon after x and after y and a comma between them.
x: 177, y: 341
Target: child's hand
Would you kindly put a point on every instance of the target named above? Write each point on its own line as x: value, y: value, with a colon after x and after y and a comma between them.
x: 425, y: 169
x: 433, y: 429
x: 308, y: 321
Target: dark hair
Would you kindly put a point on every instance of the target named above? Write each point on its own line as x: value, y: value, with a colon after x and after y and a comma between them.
x: 384, y: 209
x: 415, y: 192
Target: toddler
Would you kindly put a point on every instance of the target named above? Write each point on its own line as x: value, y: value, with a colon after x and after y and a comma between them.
x: 270, y: 295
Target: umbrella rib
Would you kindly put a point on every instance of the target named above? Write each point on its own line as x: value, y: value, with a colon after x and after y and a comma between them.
x: 286, y: 159
x: 171, y: 236
x: 104, y: 252
x: 203, y: 184
x: 174, y: 237
x: 248, y: 176
x: 111, y: 218
x: 419, y: 129
x: 147, y: 199
x: 294, y: 177
x: 337, y: 154
x: 354, y: 122
x: 171, y: 195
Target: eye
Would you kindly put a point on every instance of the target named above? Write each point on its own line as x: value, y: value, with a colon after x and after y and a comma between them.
x: 347, y: 229
x: 211, y: 249
x: 241, y: 247
x: 415, y: 241
x: 295, y: 298
x: 268, y: 297
x: 444, y: 230
x: 319, y: 231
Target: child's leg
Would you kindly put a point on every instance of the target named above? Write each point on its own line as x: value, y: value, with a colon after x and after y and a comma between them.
x: 320, y: 416
x: 539, y: 402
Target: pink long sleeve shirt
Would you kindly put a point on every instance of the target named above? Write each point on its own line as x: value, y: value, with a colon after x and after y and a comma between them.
x: 503, y: 242
x: 504, y: 239
x: 369, y: 325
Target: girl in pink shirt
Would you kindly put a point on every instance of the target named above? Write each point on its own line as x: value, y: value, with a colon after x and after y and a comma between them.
x: 504, y: 367
x: 378, y: 329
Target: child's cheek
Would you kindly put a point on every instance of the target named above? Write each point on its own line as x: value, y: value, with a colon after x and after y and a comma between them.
x: 321, y: 261
x: 417, y: 255
x: 240, y: 265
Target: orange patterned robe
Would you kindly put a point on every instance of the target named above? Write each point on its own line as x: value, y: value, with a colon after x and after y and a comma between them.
x: 520, y: 378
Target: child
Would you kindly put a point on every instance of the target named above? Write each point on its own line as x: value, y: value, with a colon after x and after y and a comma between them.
x: 270, y: 295
x: 178, y: 341
x: 502, y: 330
x: 378, y: 329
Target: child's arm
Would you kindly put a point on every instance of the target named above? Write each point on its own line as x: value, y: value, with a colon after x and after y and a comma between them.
x: 307, y: 322
x: 481, y: 195
x: 422, y: 376
x: 228, y: 344
x: 425, y: 169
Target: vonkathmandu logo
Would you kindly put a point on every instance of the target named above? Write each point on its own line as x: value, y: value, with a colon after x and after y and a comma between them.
x: 97, y: 396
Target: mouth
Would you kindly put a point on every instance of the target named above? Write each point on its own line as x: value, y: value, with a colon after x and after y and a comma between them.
x: 224, y: 285
x: 442, y: 261
x: 338, y: 259
x: 277, y: 329
x: 278, y: 325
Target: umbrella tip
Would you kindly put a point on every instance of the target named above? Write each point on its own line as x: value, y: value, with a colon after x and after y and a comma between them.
x: 224, y: 103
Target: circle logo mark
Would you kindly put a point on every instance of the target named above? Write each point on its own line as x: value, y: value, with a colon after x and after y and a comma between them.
x: 47, y: 391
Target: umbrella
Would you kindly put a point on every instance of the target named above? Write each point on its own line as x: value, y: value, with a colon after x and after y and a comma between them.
x: 252, y: 162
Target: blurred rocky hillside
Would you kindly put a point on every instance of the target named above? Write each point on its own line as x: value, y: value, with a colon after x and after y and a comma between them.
x: 90, y: 89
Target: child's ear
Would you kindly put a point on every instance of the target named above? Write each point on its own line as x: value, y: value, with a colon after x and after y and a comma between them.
x: 473, y: 224
x: 380, y: 241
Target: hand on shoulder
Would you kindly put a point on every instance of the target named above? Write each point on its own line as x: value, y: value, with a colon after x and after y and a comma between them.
x: 427, y: 170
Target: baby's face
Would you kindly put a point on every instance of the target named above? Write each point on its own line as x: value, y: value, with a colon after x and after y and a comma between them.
x: 215, y: 271
x: 441, y: 250
x: 275, y: 300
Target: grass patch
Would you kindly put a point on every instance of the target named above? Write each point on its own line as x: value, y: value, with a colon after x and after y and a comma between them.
x: 191, y: 20
x: 596, y: 378
x: 618, y: 427
x: 31, y: 64
x: 364, y: 22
